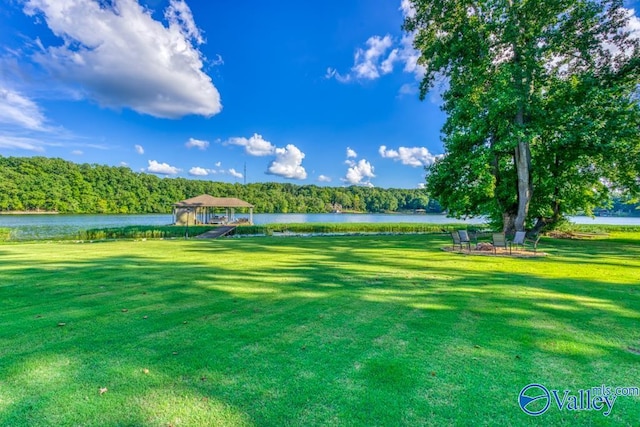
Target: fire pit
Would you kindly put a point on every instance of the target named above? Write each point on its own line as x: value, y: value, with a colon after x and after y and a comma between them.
x: 484, y: 247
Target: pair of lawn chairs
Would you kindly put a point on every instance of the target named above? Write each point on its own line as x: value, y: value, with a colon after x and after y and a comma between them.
x: 461, y: 238
x: 519, y: 241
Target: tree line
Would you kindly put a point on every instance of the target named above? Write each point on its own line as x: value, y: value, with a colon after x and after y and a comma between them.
x: 53, y: 184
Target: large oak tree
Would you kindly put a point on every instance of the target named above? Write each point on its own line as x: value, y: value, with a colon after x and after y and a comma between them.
x: 542, y: 105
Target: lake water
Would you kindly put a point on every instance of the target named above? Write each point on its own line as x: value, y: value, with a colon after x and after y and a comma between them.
x: 35, y: 226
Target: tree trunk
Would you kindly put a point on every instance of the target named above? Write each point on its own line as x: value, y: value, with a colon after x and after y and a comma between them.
x: 523, y: 169
x: 545, y: 223
x: 508, y: 223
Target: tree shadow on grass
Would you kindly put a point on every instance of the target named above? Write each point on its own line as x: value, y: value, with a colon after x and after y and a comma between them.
x: 596, y: 249
x: 299, y: 331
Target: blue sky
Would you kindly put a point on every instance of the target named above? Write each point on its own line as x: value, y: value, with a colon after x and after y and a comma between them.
x: 304, y: 92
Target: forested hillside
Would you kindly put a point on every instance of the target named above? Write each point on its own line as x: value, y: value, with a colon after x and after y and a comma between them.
x: 46, y: 184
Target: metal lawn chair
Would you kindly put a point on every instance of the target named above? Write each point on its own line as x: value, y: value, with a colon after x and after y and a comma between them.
x: 460, y: 240
x: 518, y: 240
x: 456, y: 239
x: 464, y: 239
x: 534, y: 242
x: 499, y: 241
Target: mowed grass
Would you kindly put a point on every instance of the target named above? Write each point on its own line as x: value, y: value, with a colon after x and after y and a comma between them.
x: 351, y: 330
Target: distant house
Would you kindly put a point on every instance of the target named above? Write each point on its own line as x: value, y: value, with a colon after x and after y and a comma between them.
x: 206, y: 209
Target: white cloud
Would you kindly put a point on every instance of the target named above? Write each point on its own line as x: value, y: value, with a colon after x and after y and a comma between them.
x: 351, y: 153
x: 288, y: 163
x: 359, y: 172
x: 234, y: 173
x: 116, y: 54
x: 218, y: 164
x: 218, y: 60
x: 420, y: 186
x: 390, y: 154
x: 77, y: 152
x: 39, y: 141
x: 324, y: 178
x: 408, y: 89
x: 409, y: 57
x: 407, y: 9
x: 23, y: 125
x: 366, y: 62
x: 192, y: 142
x: 162, y: 168
x: 387, y: 65
x: 21, y: 143
x: 139, y: 149
x: 17, y: 110
x: 333, y: 73
x: 96, y: 146
x: 254, y: 146
x: 374, y: 61
x: 410, y: 156
x: 198, y: 171
x: 405, y: 54
x: 180, y: 17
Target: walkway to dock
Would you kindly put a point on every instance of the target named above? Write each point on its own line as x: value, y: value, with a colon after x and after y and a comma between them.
x: 217, y: 232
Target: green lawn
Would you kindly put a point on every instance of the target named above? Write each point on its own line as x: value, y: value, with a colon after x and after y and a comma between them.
x: 358, y: 330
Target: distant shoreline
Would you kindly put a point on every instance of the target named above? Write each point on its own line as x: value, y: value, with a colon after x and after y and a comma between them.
x: 28, y: 213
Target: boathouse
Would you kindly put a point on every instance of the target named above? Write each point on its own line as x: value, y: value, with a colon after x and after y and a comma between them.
x: 206, y: 209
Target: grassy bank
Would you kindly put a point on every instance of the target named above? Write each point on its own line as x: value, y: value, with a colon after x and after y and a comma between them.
x: 142, y: 232
x: 332, y: 228
x: 349, y: 330
x: 170, y: 231
x: 147, y: 232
